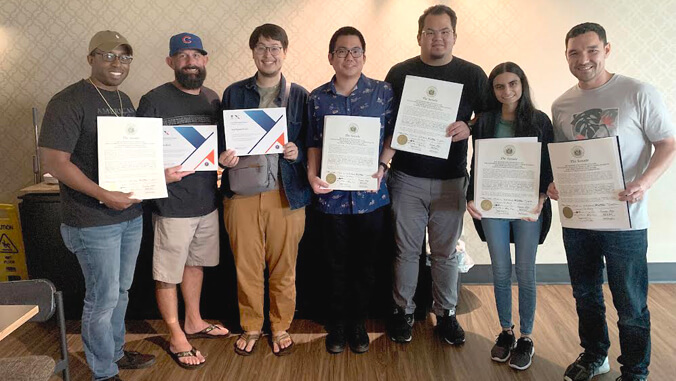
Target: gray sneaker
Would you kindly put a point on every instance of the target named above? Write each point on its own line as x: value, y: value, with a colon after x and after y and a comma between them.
x: 503, y: 346
x: 522, y: 355
x: 585, y: 367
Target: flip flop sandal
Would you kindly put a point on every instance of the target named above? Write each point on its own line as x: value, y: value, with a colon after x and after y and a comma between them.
x: 247, y: 337
x: 204, y: 334
x: 191, y: 353
x: 277, y: 340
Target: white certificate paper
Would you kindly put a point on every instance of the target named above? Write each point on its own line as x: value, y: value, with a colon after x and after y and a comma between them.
x: 588, y: 176
x: 255, y: 131
x: 427, y: 107
x: 192, y: 147
x: 130, y: 156
x: 350, y: 152
x: 507, y: 177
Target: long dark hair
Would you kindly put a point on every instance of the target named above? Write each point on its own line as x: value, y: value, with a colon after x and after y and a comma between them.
x: 525, y: 110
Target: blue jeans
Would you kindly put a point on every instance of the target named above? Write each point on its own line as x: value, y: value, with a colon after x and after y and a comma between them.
x: 107, y: 255
x: 526, y: 237
x: 627, y: 268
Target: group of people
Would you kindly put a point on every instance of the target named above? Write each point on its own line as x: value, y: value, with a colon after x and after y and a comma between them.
x: 264, y: 198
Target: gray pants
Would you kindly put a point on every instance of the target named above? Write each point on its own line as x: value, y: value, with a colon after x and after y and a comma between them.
x: 438, y: 205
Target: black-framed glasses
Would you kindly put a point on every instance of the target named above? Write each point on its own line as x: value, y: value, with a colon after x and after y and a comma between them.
x: 111, y: 57
x: 342, y: 52
x: 430, y: 33
x: 261, y: 49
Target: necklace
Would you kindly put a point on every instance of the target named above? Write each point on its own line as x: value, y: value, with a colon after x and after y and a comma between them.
x: 104, y: 99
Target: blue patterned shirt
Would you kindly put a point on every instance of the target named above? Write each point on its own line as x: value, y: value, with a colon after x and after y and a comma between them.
x: 369, y: 98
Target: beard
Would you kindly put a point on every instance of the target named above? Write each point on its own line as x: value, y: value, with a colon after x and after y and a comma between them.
x: 191, y: 81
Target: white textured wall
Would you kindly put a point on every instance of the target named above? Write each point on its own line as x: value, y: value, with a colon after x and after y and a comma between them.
x: 43, y: 44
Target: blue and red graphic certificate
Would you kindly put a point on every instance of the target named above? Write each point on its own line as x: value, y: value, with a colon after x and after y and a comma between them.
x: 255, y: 131
x: 192, y: 147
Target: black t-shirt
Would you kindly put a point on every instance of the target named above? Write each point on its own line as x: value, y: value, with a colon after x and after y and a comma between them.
x: 69, y: 125
x: 473, y: 79
x: 195, y: 195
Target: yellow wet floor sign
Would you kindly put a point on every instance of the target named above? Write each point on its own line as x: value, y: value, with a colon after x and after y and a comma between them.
x: 13, y: 265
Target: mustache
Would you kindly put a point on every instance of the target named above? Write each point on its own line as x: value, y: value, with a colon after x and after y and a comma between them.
x: 191, y: 80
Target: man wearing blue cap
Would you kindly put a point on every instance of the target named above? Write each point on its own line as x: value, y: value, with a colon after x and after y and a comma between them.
x: 186, y: 231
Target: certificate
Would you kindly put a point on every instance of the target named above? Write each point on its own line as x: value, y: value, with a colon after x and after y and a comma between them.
x: 255, y: 131
x: 130, y: 156
x: 350, y: 152
x: 427, y: 107
x: 588, y: 176
x: 507, y: 177
x: 192, y: 147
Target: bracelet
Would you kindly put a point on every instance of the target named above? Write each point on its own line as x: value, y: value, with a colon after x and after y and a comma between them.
x: 385, y: 167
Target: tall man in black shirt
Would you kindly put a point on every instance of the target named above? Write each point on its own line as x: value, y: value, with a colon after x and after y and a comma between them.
x: 186, y: 223
x: 429, y: 192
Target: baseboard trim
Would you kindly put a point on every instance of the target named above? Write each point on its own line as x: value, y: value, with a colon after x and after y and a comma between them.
x: 557, y: 273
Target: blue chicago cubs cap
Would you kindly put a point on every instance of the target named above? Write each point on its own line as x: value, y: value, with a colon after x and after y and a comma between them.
x: 185, y: 41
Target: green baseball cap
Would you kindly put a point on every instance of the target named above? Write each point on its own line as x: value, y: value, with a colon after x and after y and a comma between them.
x: 107, y: 40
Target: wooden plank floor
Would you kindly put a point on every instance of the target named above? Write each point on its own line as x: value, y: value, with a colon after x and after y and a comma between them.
x: 425, y: 358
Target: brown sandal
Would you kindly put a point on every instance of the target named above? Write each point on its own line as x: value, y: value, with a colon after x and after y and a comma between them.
x: 277, y: 340
x: 247, y: 337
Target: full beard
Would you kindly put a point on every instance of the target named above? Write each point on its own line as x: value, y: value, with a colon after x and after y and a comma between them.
x: 191, y: 81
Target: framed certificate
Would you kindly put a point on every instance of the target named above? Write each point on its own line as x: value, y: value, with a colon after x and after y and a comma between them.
x: 350, y: 151
x: 588, y: 175
x: 427, y: 107
x: 130, y: 156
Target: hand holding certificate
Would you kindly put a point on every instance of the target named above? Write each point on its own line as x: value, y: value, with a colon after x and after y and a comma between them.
x: 588, y: 176
x: 427, y: 107
x: 191, y: 147
x: 350, y: 152
x: 507, y: 177
x: 130, y: 156
x: 255, y: 131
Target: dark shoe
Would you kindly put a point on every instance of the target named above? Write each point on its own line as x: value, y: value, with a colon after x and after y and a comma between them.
x: 449, y: 330
x: 625, y: 377
x: 335, y: 340
x: 401, y: 326
x: 503, y: 347
x: 359, y: 339
x: 114, y: 378
x: 585, y: 367
x: 522, y: 355
x: 135, y: 360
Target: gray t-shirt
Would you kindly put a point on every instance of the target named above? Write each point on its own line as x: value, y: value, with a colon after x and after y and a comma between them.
x: 268, y: 96
x: 624, y: 107
x: 69, y: 125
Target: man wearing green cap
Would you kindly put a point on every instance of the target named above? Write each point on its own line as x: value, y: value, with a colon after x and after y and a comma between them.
x: 102, y: 228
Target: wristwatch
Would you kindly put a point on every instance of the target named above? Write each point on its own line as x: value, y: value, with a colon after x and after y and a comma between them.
x: 385, y: 166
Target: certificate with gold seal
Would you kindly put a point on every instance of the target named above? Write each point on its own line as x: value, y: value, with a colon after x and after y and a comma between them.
x: 130, y: 156
x: 350, y: 150
x: 506, y: 177
x: 588, y: 175
x: 426, y: 108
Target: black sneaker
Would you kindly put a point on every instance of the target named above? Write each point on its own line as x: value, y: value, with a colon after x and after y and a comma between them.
x: 359, y: 339
x: 625, y: 377
x: 449, y: 329
x: 503, y: 346
x: 135, y: 360
x: 401, y: 326
x: 585, y: 367
x: 335, y: 340
x: 522, y: 355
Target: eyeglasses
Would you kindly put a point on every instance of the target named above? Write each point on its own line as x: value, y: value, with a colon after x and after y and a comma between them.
x: 110, y: 57
x: 342, y: 52
x: 431, y: 33
x: 261, y: 49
